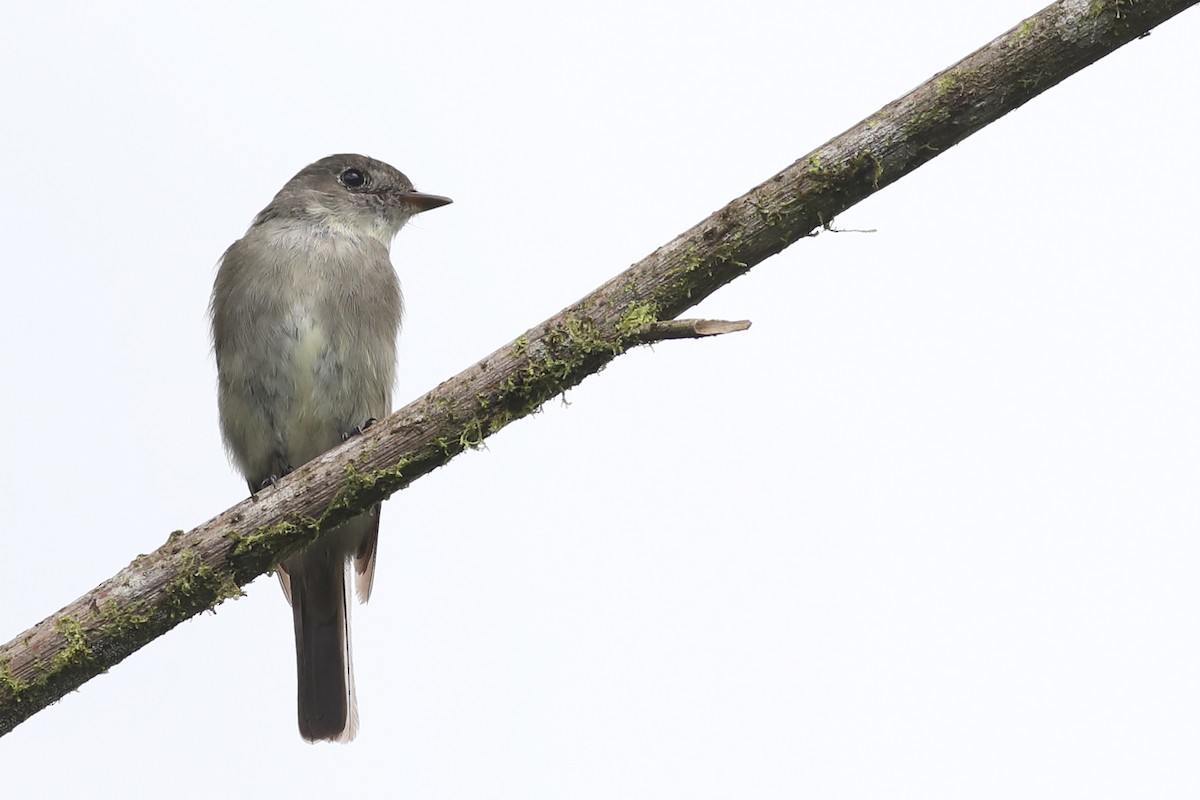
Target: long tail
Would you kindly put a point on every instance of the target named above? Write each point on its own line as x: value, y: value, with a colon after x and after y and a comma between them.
x: 324, y: 670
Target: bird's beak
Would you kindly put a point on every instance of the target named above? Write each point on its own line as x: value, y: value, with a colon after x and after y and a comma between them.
x: 425, y: 202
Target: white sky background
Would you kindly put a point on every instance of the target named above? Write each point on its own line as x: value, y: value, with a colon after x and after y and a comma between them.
x: 928, y: 529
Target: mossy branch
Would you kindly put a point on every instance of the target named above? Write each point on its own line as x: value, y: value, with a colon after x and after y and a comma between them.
x: 196, y: 570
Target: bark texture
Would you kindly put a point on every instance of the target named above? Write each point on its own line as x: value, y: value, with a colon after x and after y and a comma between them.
x: 194, y: 571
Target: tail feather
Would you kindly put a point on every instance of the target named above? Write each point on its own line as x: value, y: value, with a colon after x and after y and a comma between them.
x: 364, y: 557
x: 324, y: 669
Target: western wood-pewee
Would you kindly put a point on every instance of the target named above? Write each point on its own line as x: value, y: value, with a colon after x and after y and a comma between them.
x: 305, y: 313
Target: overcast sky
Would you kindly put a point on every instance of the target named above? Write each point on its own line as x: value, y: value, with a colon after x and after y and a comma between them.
x: 928, y: 529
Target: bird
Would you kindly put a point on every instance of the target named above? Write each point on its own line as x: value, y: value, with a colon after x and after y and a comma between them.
x: 306, y: 311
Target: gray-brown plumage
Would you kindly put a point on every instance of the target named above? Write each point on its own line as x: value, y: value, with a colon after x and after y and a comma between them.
x: 305, y: 313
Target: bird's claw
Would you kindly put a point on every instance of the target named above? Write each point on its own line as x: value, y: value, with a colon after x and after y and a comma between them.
x: 359, y: 430
x: 273, y: 480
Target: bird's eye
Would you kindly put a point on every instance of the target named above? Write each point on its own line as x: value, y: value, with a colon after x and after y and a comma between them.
x: 353, y: 179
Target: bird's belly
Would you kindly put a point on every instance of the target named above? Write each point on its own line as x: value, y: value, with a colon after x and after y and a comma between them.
x: 328, y: 390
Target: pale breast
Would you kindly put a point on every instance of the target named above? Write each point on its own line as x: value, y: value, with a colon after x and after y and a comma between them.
x: 309, y: 345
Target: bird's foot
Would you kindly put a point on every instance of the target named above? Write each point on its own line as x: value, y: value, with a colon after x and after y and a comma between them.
x: 359, y: 430
x: 272, y: 480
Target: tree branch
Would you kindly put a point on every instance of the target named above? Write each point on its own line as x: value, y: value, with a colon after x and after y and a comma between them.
x: 194, y: 571
x: 690, y: 329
